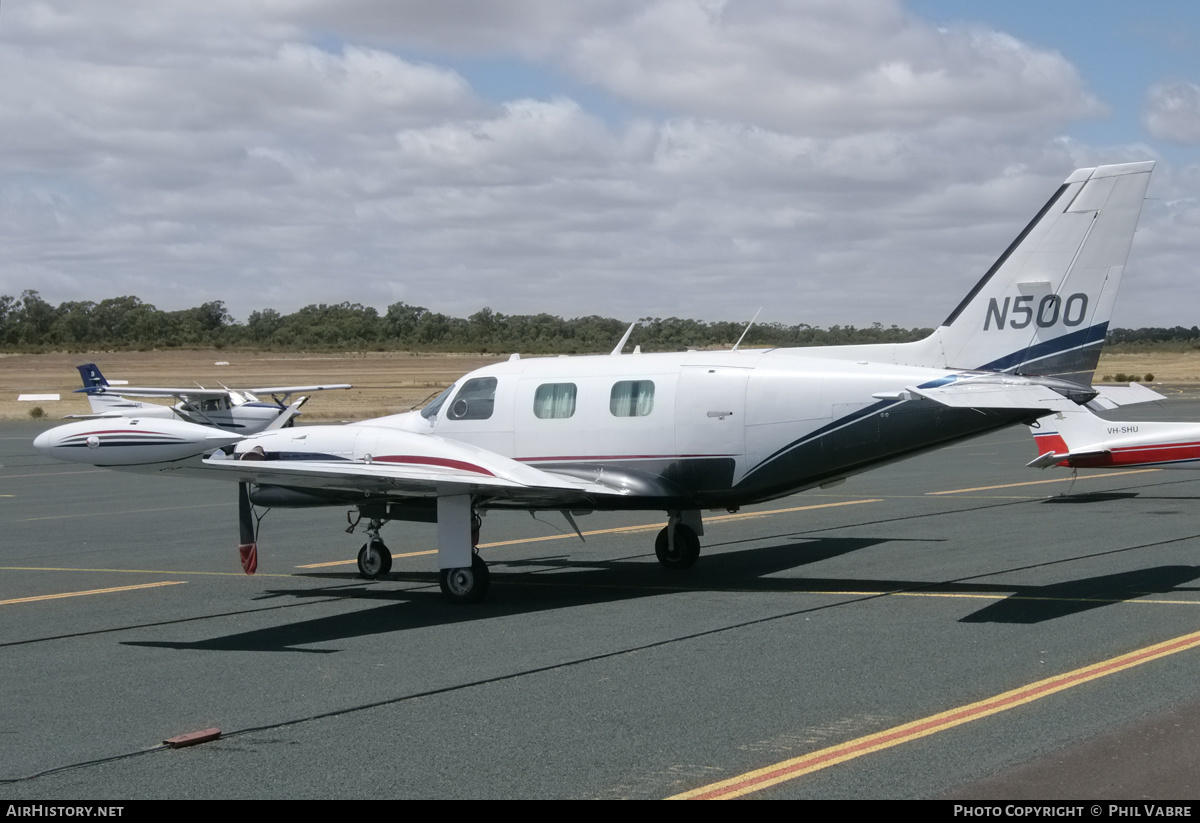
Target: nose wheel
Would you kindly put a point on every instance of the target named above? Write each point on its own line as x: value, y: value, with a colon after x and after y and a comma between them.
x: 466, y: 585
x: 374, y: 560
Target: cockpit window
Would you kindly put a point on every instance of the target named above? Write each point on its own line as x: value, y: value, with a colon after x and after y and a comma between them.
x: 632, y: 398
x: 430, y: 411
x: 474, y: 400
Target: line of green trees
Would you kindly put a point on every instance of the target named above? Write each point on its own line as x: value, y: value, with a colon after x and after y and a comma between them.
x: 29, y: 323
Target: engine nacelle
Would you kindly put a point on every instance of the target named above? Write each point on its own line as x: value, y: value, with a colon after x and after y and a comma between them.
x: 131, y: 441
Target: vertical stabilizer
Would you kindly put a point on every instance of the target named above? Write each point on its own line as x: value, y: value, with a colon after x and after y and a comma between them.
x: 93, y: 380
x: 1043, y: 308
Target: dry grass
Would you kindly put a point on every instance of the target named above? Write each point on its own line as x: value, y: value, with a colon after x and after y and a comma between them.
x: 1167, y: 367
x: 384, y: 382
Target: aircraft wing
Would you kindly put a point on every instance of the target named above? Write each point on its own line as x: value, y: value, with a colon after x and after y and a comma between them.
x: 198, y: 393
x: 1110, y: 397
x: 134, y: 391
x: 294, y: 389
x: 431, y: 467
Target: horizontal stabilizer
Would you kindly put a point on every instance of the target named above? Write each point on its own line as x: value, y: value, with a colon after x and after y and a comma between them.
x: 1110, y: 397
x: 1045, y: 461
x: 980, y: 395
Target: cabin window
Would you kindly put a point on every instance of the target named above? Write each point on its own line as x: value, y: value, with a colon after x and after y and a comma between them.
x: 554, y: 401
x: 632, y: 398
x: 474, y: 400
x: 430, y: 411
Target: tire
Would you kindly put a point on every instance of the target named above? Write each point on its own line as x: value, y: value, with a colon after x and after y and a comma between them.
x: 687, y: 548
x: 466, y: 585
x: 374, y: 564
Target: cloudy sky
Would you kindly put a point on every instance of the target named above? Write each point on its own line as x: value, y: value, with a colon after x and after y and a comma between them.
x: 834, y: 161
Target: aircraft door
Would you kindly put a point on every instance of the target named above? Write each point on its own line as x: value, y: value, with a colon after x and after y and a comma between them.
x: 710, y: 411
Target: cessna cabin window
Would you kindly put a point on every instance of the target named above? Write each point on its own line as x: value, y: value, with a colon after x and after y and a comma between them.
x: 554, y: 401
x: 474, y: 400
x: 430, y: 411
x: 632, y: 398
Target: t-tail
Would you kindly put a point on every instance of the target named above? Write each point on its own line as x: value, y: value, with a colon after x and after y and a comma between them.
x: 1044, y: 306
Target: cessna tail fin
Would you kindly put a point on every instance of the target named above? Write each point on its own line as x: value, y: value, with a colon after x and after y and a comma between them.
x: 93, y: 380
x: 1043, y: 307
x: 1066, y: 437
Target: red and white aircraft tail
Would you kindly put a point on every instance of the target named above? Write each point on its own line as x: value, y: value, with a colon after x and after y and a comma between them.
x: 1079, y: 439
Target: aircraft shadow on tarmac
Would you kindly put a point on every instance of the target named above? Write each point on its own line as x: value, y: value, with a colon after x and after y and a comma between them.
x: 1036, y: 604
x: 548, y: 583
x: 538, y: 584
x: 1091, y: 497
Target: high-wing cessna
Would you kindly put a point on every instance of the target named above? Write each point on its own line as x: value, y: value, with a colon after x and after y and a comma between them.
x: 1078, y: 439
x: 235, y: 410
x: 683, y: 432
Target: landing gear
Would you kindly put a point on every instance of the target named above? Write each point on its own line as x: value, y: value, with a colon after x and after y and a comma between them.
x: 466, y: 585
x: 374, y: 560
x: 685, y: 551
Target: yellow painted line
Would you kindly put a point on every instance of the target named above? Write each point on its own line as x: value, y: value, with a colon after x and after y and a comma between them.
x: 128, y: 511
x: 50, y: 474
x: 619, y: 529
x: 134, y: 571
x: 92, y: 591
x: 966, y: 596
x: 1040, y: 482
x: 759, y: 779
x: 355, y: 561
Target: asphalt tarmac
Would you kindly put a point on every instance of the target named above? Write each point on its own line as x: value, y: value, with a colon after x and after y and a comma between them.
x: 954, y: 625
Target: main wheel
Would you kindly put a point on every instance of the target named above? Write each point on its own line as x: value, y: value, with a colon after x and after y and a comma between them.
x: 467, y: 585
x: 374, y: 560
x: 687, y: 548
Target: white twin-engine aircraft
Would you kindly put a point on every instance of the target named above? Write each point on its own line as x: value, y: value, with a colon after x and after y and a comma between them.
x: 236, y: 410
x: 682, y: 432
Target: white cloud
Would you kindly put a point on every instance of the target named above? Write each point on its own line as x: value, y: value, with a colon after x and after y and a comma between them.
x: 824, y: 67
x: 842, y: 163
x: 1172, y: 112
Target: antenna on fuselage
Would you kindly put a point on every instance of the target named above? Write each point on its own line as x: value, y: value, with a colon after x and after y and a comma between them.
x: 748, y: 325
x: 624, y: 339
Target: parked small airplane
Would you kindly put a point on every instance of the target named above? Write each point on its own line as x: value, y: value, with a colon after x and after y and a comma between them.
x: 682, y: 432
x: 237, y: 410
x: 1078, y: 439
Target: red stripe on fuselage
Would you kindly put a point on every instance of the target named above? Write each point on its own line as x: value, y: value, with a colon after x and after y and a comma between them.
x: 420, y: 460
x: 593, y: 458
x: 1161, y: 453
